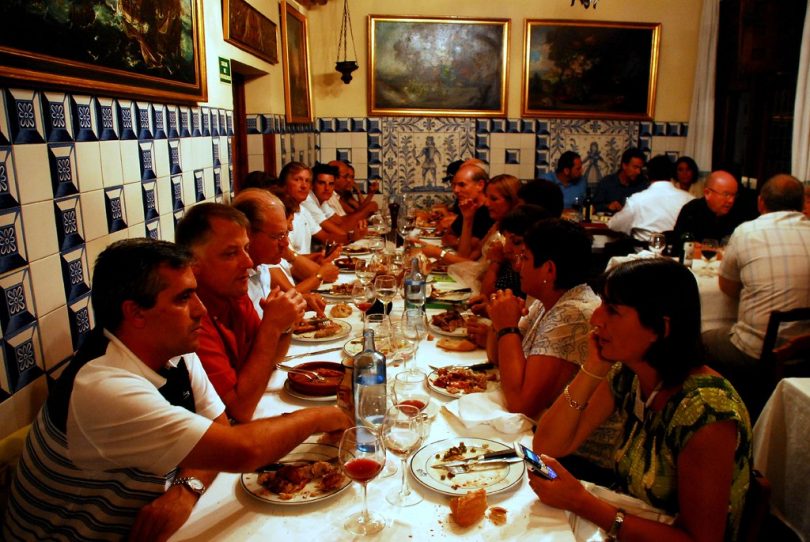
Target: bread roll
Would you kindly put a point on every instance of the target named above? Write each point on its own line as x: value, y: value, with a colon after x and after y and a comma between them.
x: 456, y: 345
x: 468, y: 509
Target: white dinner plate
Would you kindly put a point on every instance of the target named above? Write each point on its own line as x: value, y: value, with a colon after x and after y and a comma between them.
x: 309, y: 336
x: 304, y: 397
x: 494, y: 480
x: 453, y: 295
x: 355, y: 346
x: 307, y: 451
x: 327, y: 294
x: 459, y: 332
x: 431, y: 378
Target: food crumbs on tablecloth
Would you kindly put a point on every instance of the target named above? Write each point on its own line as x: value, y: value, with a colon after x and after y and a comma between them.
x: 430, y: 337
x: 497, y: 515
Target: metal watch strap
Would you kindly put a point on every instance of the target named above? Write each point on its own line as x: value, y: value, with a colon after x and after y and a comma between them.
x: 195, y: 485
x: 618, y: 521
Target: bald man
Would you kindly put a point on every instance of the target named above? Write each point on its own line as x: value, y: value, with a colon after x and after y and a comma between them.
x: 713, y: 216
x: 468, y: 184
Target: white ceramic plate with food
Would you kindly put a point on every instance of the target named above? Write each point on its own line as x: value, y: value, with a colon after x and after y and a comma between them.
x: 451, y: 295
x: 460, y: 382
x: 341, y: 330
x: 460, y: 331
x: 355, y: 346
x: 310, y: 492
x: 494, y: 479
x: 337, y: 292
x: 305, y: 397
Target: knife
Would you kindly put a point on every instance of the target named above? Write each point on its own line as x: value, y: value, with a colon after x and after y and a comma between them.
x: 272, y: 467
x: 504, y: 456
x: 315, y: 353
x: 477, y: 367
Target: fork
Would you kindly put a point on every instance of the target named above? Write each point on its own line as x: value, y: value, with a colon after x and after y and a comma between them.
x: 482, y: 464
x: 311, y: 375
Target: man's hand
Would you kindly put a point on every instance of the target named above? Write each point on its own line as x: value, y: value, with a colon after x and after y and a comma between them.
x: 283, y: 310
x: 161, y: 518
x: 316, y: 303
x: 329, y: 272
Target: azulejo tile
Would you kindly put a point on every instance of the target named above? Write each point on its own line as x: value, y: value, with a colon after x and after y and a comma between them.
x: 196, y: 126
x: 146, y: 152
x: 214, y: 123
x: 185, y: 121
x: 16, y: 302
x: 511, y: 156
x: 150, y: 200
x: 645, y: 128
x: 108, y: 119
x: 217, y: 181
x: 345, y: 155
x: 199, y: 185
x: 483, y: 126
x: 127, y: 118
x: 482, y: 141
x: 159, y: 121
x: 24, y: 360
x: 4, y: 137
x: 513, y: 126
x: 229, y: 157
x: 528, y: 126
x: 174, y: 157
x: 25, y: 116
x: 660, y: 128
x: 13, y: 253
x: 178, y: 216
x: 64, y: 173
x: 482, y: 154
x: 75, y: 274
x: 69, y: 224
x: 85, y: 118
x: 229, y: 122
x: 80, y: 319
x: 143, y: 118
x: 172, y: 121
x: 58, y: 122
x: 499, y: 126
x: 205, y: 122
x: 252, y: 125
x: 152, y: 229
x: 116, y: 210
x: 177, y: 193
x: 215, y: 153
x: 9, y: 196
x: 673, y: 128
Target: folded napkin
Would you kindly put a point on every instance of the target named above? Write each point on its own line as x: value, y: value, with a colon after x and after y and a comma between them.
x: 488, y: 408
x: 616, y: 260
x: 704, y: 268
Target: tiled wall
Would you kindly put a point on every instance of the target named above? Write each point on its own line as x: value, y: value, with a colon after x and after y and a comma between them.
x: 410, y: 154
x: 76, y: 173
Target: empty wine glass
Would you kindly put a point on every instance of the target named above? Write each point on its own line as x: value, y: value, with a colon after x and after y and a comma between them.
x: 386, y: 288
x: 363, y: 296
x: 362, y: 457
x: 414, y: 329
x: 403, y: 434
x: 658, y: 242
x: 364, y: 271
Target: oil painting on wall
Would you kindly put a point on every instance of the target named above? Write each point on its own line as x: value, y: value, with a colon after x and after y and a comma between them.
x: 246, y: 27
x: 295, y: 53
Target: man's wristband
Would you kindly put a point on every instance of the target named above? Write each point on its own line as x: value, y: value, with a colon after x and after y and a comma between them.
x: 618, y: 521
x: 507, y: 331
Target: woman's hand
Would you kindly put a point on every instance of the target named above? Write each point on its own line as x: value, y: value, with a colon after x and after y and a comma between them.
x: 505, y: 309
x: 477, y: 331
x: 595, y: 363
x: 564, y: 492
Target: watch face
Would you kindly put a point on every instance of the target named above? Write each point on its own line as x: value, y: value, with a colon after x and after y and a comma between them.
x: 196, y: 485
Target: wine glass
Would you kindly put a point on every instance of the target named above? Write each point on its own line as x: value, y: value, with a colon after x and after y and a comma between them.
x: 381, y: 324
x: 364, y: 271
x: 372, y: 404
x: 363, y: 296
x: 386, y: 288
x: 362, y: 457
x: 410, y: 389
x: 414, y: 329
x: 658, y: 242
x: 402, y: 434
x: 708, y: 249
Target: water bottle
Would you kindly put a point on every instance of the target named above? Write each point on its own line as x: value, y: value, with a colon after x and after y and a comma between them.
x: 415, y: 286
x: 369, y: 378
x: 588, y: 203
x: 688, y: 249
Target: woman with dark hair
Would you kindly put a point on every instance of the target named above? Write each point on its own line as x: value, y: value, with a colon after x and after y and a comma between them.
x: 686, y: 441
x: 687, y: 176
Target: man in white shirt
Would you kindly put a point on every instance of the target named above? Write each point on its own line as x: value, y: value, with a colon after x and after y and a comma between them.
x: 131, y: 427
x: 654, y: 209
x: 350, y: 199
x: 323, y: 189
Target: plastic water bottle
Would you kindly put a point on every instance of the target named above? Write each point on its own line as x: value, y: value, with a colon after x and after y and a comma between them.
x: 415, y: 286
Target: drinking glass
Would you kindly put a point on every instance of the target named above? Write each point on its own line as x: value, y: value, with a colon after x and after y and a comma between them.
x: 658, y: 242
x: 403, y: 434
x: 414, y: 329
x: 362, y: 457
x: 363, y: 296
x: 364, y: 271
x: 410, y: 389
x: 372, y: 404
x: 708, y: 249
x: 386, y: 288
x: 381, y: 324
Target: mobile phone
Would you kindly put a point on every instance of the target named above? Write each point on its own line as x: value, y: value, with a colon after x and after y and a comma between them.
x: 536, y: 465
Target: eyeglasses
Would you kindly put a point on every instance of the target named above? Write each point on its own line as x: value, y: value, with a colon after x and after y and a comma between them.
x: 275, y: 236
x: 726, y: 195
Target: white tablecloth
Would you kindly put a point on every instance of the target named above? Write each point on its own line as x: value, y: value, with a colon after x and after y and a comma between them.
x: 226, y: 512
x: 782, y: 449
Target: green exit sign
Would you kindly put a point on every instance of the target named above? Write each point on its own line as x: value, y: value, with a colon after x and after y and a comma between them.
x: 225, y: 70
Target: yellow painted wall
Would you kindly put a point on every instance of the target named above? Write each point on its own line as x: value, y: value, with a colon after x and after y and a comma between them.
x: 680, y: 23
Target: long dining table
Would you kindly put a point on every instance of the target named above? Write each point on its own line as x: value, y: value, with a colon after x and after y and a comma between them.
x: 227, y: 512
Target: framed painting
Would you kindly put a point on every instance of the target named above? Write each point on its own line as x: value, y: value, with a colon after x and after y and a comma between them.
x: 245, y: 27
x: 590, y: 69
x: 295, y: 56
x: 438, y: 66
x: 120, y: 48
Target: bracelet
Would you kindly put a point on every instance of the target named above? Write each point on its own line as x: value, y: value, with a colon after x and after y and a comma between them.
x: 507, y: 331
x: 442, y: 254
x: 618, y: 521
x: 592, y: 375
x: 573, y: 403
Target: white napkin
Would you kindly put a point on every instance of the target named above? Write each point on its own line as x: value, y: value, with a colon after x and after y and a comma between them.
x: 488, y: 408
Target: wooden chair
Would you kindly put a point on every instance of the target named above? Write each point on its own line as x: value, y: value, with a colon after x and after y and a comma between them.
x: 756, y: 509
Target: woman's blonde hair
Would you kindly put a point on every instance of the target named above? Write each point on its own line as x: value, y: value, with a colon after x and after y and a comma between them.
x: 507, y: 186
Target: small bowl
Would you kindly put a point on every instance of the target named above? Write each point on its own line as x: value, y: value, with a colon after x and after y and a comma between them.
x: 331, y: 371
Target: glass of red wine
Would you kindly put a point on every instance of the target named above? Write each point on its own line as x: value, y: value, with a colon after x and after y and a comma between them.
x: 362, y: 457
x: 410, y: 389
x: 363, y: 295
x: 403, y: 434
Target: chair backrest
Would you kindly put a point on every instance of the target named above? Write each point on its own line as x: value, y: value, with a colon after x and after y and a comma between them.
x: 774, y: 363
x: 757, y: 507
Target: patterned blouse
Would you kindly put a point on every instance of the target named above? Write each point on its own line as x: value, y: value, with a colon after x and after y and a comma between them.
x: 647, y: 458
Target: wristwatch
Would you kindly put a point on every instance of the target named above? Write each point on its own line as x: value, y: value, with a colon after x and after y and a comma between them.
x: 442, y: 254
x: 319, y: 277
x: 613, y: 533
x: 192, y: 483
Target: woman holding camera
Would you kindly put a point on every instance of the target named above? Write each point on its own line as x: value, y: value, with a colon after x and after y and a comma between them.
x: 686, y: 442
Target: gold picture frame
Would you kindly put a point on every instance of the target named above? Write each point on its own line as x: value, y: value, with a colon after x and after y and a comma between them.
x: 295, y: 58
x: 247, y: 28
x: 114, y: 50
x: 415, y: 67
x: 594, y: 69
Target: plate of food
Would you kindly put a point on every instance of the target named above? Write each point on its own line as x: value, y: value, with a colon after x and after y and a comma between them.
x: 458, y: 381
x: 438, y: 269
x: 309, y: 473
x: 355, y: 346
x: 448, y: 295
x: 356, y: 249
x: 339, y: 291
x: 452, y: 323
x: 315, y: 379
x: 346, y: 264
x: 318, y: 330
x: 425, y: 466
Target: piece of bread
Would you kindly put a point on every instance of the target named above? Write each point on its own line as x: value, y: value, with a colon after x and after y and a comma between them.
x: 468, y: 509
x: 456, y: 345
x: 340, y: 310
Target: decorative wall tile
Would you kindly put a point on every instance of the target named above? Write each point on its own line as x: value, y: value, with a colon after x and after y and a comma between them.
x: 159, y: 121
x: 39, y: 228
x: 147, y: 161
x: 173, y: 121
x: 58, y: 121
x: 47, y: 285
x: 127, y: 119
x: 177, y: 193
x: 4, y: 137
x: 25, y: 116
x: 512, y: 156
x: 205, y: 122
x: 214, y: 114
x: 195, y: 122
x: 23, y: 357
x: 16, y: 302
x: 69, y: 225
x: 152, y: 229
x: 229, y: 121
x: 215, y: 153
x: 199, y: 185
x: 150, y: 200
x: 8, y: 180
x: 75, y: 274
x: 80, y: 318
x: 217, y: 182
x: 144, y: 120
x: 116, y: 209
x: 106, y: 111
x: 64, y: 174
x: 185, y: 121
x: 12, y: 245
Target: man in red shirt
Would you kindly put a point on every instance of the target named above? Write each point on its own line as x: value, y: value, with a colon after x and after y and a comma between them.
x: 238, y: 350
